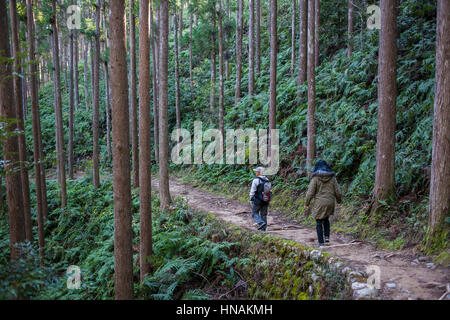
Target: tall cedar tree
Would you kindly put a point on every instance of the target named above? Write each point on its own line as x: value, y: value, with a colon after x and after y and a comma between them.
x: 221, y: 79
x: 273, y: 67
x: 163, y: 105
x: 251, y: 46
x: 387, y: 96
x: 10, y: 143
x: 145, y: 179
x: 440, y: 170
x: 302, y: 48
x: 61, y: 161
x: 96, y: 100
x: 239, y: 14
x: 71, y: 106
x: 154, y: 44
x: 18, y: 94
x: 123, y: 233
x: 311, y: 126
x: 133, y: 99
x: 177, y: 75
x: 39, y: 173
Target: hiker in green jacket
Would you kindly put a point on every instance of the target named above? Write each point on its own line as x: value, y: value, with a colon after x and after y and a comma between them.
x: 322, y: 193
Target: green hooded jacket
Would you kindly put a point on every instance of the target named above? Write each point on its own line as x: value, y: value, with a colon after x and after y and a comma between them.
x: 322, y: 193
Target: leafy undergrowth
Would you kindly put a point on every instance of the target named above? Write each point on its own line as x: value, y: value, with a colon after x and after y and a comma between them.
x: 196, y: 256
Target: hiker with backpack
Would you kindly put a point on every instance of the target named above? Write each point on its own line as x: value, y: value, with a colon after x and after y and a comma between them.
x: 322, y: 193
x: 260, y: 195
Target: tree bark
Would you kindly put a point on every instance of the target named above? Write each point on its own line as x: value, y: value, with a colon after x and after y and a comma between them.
x: 75, y: 74
x: 258, y: 37
x: 123, y: 233
x: 58, y: 110
x: 191, y: 76
x: 440, y: 171
x: 177, y: 76
x: 41, y: 199
x: 86, y: 85
x: 302, y: 51
x: 133, y: 101
x: 316, y: 31
x: 251, y: 53
x: 273, y: 66
x: 350, y: 28
x: 212, y: 96
x: 239, y: 14
x: 18, y: 97
x: 163, y: 105
x: 154, y: 40
x: 387, y: 96
x: 108, y: 112
x: 8, y: 108
x: 221, y: 83
x: 96, y: 101
x: 293, y: 27
x: 311, y: 126
x: 145, y: 179
x: 71, y: 105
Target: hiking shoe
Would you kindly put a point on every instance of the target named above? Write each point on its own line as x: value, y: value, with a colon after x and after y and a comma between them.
x: 321, y: 245
x: 261, y: 225
x: 327, y: 240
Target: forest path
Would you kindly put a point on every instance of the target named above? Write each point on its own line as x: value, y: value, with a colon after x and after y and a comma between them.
x: 401, y: 278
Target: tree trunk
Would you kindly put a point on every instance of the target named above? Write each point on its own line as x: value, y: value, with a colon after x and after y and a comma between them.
x: 251, y: 52
x: 239, y: 14
x: 316, y: 31
x: 163, y: 105
x: 108, y: 112
x: 350, y: 28
x: 8, y: 108
x: 75, y: 74
x: 58, y: 110
x: 155, y: 86
x: 302, y: 50
x: 41, y: 205
x: 273, y: 67
x: 71, y: 105
x: 18, y: 96
x: 191, y: 76
x: 221, y: 83
x: 86, y: 85
x: 123, y: 232
x: 387, y: 96
x: 311, y: 126
x: 440, y: 171
x: 258, y: 36
x: 293, y: 27
x: 145, y: 179
x: 133, y: 101
x: 96, y: 101
x: 177, y: 76
x: 212, y: 96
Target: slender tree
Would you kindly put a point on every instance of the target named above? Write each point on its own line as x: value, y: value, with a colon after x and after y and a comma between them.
x: 164, y: 193
x: 239, y: 19
x: 133, y: 99
x: 302, y: 49
x: 440, y: 171
x: 75, y: 73
x: 316, y: 31
x: 191, y: 76
x: 123, y: 233
x: 153, y: 40
x: 387, y: 96
x: 273, y: 66
x: 349, y: 27
x: 85, y: 66
x: 13, y: 183
x: 96, y: 100
x: 71, y: 105
x: 293, y: 27
x: 258, y: 36
x: 311, y: 126
x: 145, y: 179
x: 212, y: 96
x: 177, y: 75
x: 251, y: 50
x: 39, y: 173
x: 18, y: 87
x: 58, y: 109
x: 221, y: 82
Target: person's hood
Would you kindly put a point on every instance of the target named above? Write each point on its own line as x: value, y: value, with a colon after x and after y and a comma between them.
x: 263, y: 178
x: 324, y: 176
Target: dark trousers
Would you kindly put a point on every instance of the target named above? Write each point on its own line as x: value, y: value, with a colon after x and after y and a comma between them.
x: 322, y: 227
x: 259, y: 214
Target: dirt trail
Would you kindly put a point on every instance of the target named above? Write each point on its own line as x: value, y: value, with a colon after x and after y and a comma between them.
x: 411, y: 280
